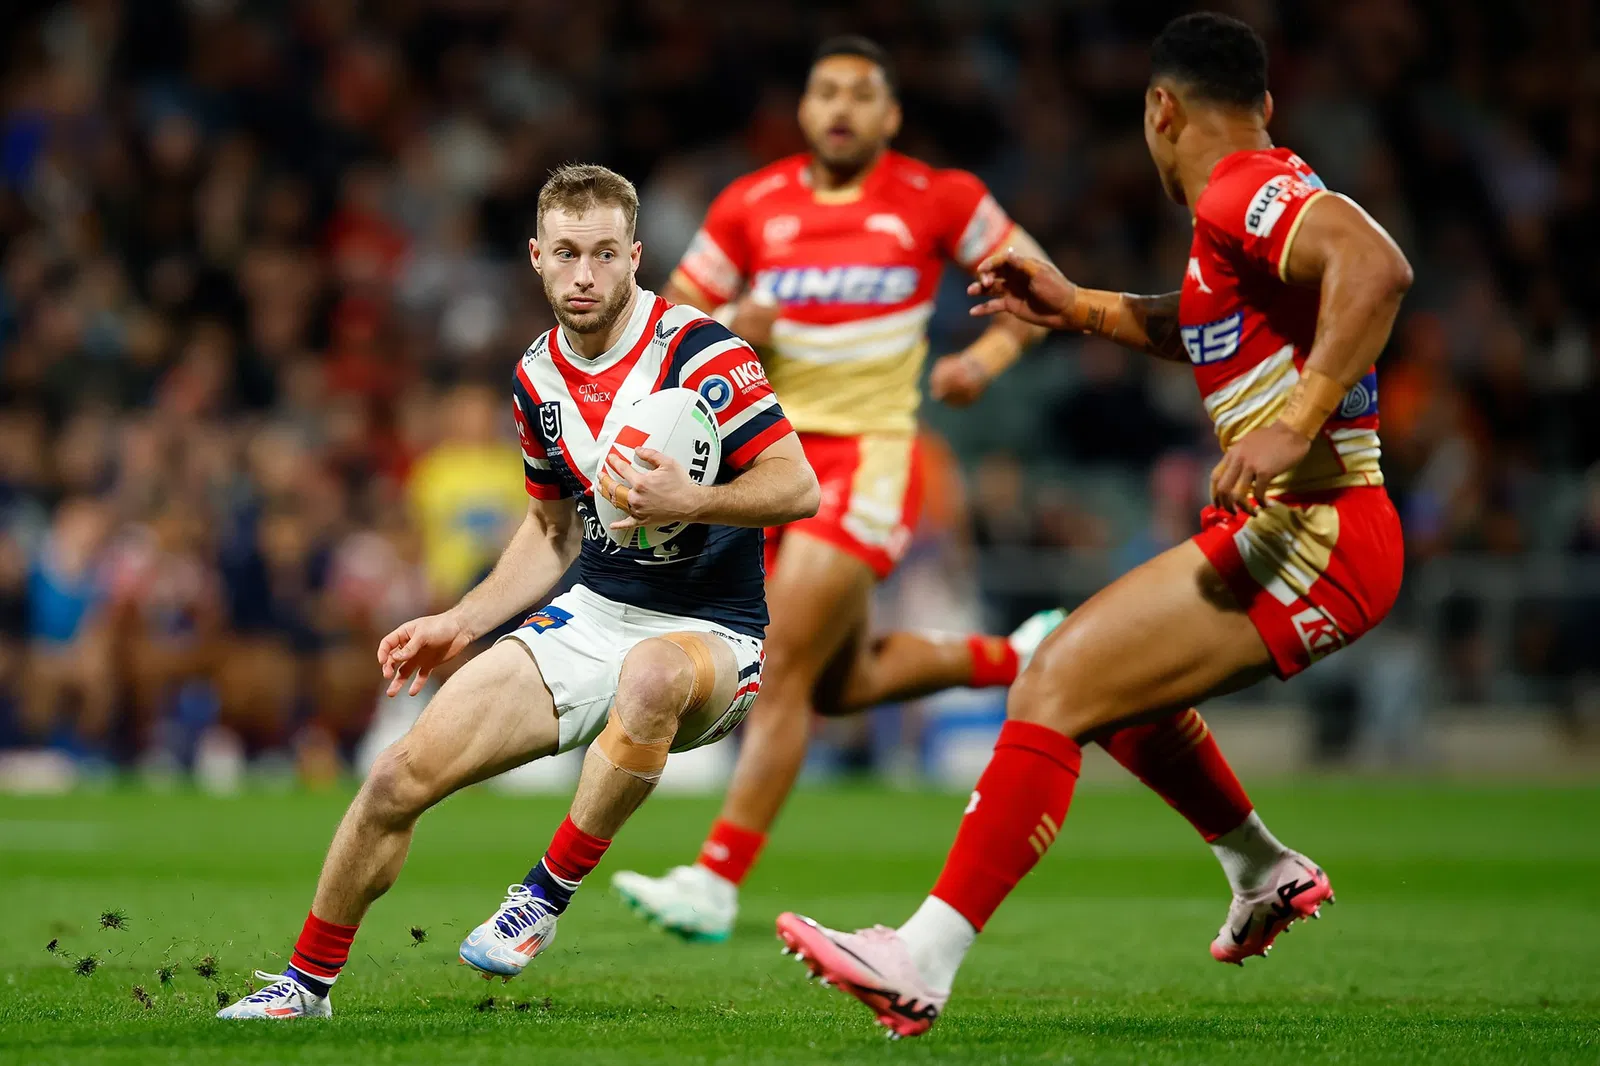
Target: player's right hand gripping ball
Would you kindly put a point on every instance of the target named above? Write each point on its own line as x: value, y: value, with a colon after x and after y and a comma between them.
x: 675, y: 422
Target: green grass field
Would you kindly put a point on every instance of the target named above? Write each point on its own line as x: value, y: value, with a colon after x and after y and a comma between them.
x: 1467, y: 931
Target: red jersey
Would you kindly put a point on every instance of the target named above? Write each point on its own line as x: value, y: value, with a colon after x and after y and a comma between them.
x: 1248, y: 331
x: 855, y: 274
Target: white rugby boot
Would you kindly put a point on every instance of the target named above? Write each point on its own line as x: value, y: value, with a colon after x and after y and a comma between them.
x: 280, y: 999
x: 1026, y: 638
x: 690, y: 901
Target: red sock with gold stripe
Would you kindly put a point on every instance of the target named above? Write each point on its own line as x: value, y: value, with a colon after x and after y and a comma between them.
x: 1013, y: 817
x: 1180, y: 761
x: 994, y: 661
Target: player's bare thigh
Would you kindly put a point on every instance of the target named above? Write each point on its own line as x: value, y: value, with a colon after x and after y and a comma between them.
x: 492, y: 715
x: 1165, y: 635
x: 819, y: 598
x: 836, y: 691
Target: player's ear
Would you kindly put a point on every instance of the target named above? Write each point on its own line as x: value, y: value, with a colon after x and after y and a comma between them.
x: 634, y: 254
x: 1165, y: 110
x: 891, y: 125
x: 1266, y: 109
x: 533, y: 253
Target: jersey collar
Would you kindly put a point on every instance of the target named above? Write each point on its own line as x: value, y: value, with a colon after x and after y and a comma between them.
x: 644, y: 302
x: 868, y: 184
x: 1233, y: 159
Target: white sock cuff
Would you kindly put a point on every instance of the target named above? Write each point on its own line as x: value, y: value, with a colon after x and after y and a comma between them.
x: 938, y: 937
x: 329, y: 981
x: 936, y: 913
x: 570, y: 886
x: 1248, y: 854
x: 1251, y: 835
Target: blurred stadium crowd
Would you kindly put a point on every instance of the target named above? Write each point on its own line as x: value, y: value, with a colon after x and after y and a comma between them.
x: 263, y: 277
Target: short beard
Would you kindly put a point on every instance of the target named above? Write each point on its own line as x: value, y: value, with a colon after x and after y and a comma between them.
x: 597, y: 321
x: 845, y: 168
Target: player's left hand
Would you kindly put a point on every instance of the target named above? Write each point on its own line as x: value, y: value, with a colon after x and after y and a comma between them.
x: 1240, y: 480
x: 959, y: 379
x: 753, y: 318
x: 654, y: 491
x: 1028, y: 287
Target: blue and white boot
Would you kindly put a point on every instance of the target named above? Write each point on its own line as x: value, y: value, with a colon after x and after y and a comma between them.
x: 523, y: 926
x: 282, y: 998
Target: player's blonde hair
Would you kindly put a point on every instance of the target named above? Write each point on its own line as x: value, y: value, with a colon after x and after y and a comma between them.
x: 579, y: 187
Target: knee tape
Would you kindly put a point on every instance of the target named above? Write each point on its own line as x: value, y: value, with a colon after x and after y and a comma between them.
x: 705, y: 669
x: 645, y: 759
x: 642, y: 759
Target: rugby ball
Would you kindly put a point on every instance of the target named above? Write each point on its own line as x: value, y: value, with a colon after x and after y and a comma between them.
x: 675, y: 422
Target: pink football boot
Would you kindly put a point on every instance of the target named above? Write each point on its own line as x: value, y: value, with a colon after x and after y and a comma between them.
x: 1297, y: 889
x: 872, y: 965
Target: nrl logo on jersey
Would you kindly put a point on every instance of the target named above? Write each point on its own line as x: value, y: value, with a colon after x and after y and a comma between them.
x: 550, y: 422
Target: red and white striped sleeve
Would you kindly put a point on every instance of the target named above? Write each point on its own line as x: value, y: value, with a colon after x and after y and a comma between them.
x: 541, y: 478
x: 728, y: 375
x: 973, y: 225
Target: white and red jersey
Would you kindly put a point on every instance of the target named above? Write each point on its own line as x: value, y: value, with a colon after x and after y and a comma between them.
x: 1248, y: 331
x: 566, y: 404
x: 855, y: 273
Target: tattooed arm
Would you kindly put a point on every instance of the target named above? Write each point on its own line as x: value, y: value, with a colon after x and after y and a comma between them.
x: 1034, y: 291
x: 1150, y: 324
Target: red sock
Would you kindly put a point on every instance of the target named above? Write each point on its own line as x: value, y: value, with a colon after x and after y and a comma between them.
x: 994, y: 661
x: 1014, y: 816
x: 323, y: 949
x: 573, y: 853
x: 730, y: 850
x: 1179, y: 759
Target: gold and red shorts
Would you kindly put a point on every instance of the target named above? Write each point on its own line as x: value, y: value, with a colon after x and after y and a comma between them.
x: 871, y: 497
x: 1313, y: 574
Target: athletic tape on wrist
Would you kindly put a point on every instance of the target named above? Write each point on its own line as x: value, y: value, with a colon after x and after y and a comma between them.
x: 1315, y: 398
x: 1100, y: 312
